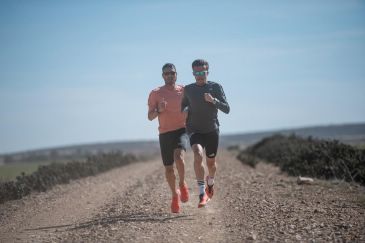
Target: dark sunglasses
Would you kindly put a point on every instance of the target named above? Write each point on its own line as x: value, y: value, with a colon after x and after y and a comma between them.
x: 169, y: 73
x: 200, y: 73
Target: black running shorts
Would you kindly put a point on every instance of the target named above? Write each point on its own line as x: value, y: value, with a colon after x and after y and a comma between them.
x: 170, y: 141
x: 209, y: 142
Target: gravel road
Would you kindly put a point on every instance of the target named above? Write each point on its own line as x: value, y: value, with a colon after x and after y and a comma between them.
x: 132, y: 203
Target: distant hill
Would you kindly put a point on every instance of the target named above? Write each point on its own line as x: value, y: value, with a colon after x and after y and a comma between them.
x: 348, y: 133
x: 80, y: 152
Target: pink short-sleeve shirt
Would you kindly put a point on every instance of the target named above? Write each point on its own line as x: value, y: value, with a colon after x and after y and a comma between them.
x: 171, y: 118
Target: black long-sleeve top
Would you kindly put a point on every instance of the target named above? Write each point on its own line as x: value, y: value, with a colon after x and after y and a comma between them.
x: 202, y: 115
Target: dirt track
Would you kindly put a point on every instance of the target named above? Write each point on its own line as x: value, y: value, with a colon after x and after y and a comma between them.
x: 131, y: 204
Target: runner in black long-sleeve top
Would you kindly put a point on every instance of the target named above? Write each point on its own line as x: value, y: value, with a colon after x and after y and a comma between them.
x: 201, y: 101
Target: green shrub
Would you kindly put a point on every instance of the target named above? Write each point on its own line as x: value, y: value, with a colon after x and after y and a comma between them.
x: 311, y: 157
x: 248, y: 159
x: 48, y: 176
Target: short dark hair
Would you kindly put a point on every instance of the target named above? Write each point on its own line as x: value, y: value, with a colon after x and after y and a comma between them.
x: 199, y: 63
x: 168, y: 65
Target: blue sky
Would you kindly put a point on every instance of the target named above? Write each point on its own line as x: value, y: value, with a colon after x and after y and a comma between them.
x: 74, y: 72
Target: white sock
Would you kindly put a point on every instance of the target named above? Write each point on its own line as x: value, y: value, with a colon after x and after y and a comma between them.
x: 210, y: 181
x: 201, y: 185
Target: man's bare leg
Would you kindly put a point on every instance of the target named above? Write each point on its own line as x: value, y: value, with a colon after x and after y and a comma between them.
x: 171, y: 178
x: 180, y: 165
x: 212, y: 166
x: 198, y: 161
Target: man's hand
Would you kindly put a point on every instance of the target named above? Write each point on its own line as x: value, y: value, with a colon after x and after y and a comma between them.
x: 162, y: 105
x: 208, y: 97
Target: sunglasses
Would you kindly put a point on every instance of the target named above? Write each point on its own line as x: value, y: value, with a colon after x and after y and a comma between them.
x: 200, y: 73
x: 169, y: 73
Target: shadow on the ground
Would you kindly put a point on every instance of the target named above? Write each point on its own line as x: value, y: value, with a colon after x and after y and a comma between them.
x: 123, y: 218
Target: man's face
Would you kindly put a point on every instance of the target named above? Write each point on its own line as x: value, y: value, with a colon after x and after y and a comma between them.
x: 200, y: 73
x: 169, y: 75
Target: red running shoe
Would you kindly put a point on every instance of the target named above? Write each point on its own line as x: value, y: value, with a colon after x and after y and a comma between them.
x: 203, y: 200
x: 209, y: 190
x: 184, y: 197
x: 175, y: 204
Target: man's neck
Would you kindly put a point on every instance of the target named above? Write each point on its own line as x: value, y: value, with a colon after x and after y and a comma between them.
x: 201, y: 84
x: 170, y: 86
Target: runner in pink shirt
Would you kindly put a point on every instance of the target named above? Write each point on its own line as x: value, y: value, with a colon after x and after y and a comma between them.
x: 165, y: 103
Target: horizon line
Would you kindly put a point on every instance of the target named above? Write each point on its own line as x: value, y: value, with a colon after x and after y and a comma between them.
x: 154, y: 140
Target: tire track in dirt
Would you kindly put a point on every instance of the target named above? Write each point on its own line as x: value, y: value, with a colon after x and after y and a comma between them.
x: 143, y: 215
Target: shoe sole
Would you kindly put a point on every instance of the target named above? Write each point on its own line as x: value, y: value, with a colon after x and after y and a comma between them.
x: 184, y: 201
x: 203, y: 205
x: 206, y: 180
x: 179, y: 195
x: 209, y: 196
